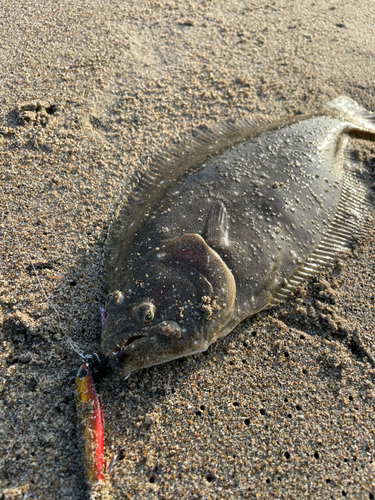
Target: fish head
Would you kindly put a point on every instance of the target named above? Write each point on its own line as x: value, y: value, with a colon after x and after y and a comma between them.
x: 174, y: 303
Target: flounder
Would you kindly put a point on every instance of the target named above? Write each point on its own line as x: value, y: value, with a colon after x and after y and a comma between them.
x: 229, y: 225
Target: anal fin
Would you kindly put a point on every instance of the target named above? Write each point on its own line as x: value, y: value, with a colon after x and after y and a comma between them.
x: 217, y: 226
x: 353, y: 217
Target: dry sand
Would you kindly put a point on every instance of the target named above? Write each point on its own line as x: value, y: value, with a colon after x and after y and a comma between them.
x: 90, y: 90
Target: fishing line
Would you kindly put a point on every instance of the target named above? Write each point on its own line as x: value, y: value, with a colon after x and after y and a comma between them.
x: 65, y: 335
x: 86, y: 392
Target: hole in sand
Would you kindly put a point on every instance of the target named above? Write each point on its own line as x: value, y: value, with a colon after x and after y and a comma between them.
x: 51, y: 110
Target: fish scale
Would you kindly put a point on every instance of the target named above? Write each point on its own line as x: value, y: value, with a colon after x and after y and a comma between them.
x: 229, y: 225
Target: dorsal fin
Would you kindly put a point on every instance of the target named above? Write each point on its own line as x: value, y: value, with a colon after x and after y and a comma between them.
x: 353, y: 216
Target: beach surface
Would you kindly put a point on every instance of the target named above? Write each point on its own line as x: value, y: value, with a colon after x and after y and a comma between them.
x: 90, y: 92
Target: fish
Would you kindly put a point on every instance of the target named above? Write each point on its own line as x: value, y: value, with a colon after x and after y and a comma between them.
x: 228, y: 225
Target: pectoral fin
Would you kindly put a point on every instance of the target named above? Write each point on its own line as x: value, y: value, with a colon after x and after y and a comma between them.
x: 217, y: 226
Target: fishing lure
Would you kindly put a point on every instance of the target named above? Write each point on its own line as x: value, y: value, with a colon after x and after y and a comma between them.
x: 229, y: 225
x: 91, y: 423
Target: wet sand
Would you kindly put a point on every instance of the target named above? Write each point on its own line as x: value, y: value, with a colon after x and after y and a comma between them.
x: 90, y: 92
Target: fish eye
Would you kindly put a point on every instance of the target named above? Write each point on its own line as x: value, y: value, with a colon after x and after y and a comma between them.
x: 149, y: 316
x: 116, y: 297
x: 144, y: 313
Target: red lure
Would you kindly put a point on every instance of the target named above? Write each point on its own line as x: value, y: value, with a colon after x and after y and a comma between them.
x: 91, y: 421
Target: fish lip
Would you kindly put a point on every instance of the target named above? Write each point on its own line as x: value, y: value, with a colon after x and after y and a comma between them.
x: 118, y: 348
x: 118, y: 353
x: 132, y: 337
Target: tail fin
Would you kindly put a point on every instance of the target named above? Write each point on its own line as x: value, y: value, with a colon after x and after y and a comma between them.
x: 362, y: 122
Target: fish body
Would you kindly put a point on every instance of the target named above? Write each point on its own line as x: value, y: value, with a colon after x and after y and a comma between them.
x: 228, y: 226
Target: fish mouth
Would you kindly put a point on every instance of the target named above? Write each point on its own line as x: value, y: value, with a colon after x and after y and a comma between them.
x: 120, y: 346
x: 118, y: 353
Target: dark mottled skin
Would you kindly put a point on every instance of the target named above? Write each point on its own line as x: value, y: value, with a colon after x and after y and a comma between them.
x: 222, y: 240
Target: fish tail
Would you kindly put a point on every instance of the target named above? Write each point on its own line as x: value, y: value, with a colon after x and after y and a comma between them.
x: 362, y: 121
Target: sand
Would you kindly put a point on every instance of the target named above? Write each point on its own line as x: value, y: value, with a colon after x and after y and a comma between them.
x: 90, y: 91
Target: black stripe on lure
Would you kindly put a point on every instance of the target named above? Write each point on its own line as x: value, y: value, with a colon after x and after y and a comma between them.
x: 229, y: 225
